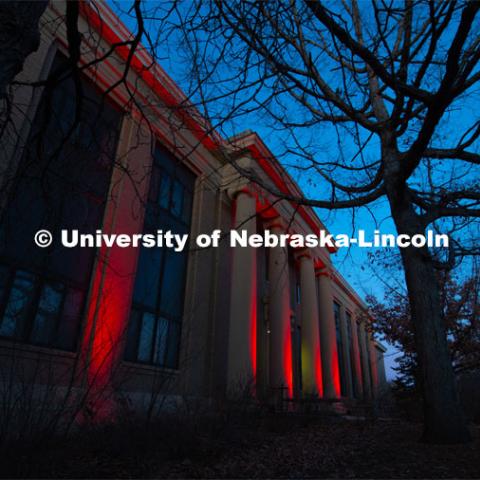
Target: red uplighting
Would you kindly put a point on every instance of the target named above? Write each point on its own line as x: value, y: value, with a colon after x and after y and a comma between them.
x: 287, y: 360
x: 318, y: 371
x: 253, y: 327
x: 336, y: 372
x: 107, y: 318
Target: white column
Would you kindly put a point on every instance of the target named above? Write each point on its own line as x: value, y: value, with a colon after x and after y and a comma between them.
x: 346, y: 352
x: 367, y: 385
x: 328, y: 340
x: 243, y: 303
x: 281, y: 369
x: 311, y: 362
x: 356, y: 360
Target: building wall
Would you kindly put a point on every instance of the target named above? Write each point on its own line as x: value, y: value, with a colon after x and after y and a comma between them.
x: 252, y: 317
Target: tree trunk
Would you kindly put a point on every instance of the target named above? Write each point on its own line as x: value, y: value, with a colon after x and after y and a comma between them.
x: 444, y: 421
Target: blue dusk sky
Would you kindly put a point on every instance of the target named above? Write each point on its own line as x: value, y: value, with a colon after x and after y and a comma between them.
x: 353, y: 263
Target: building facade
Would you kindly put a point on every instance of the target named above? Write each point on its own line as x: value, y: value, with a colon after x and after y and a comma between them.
x: 122, y: 152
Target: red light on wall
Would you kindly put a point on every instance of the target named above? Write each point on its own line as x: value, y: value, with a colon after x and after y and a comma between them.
x: 336, y: 372
x: 287, y: 361
x: 253, y: 328
x: 107, y: 318
x: 318, y: 371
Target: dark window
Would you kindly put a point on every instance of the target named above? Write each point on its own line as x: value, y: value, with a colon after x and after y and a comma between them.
x: 348, y: 317
x: 61, y: 183
x: 155, y: 322
x: 341, y: 365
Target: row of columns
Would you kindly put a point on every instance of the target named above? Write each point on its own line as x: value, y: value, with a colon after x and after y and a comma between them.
x: 242, y: 355
x: 319, y: 357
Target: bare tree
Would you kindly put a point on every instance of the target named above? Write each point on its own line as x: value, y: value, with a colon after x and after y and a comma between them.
x: 35, y: 164
x: 390, y: 85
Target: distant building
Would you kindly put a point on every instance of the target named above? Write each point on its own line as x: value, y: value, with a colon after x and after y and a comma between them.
x: 119, y: 322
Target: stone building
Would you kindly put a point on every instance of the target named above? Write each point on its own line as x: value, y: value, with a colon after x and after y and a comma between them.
x: 95, y: 152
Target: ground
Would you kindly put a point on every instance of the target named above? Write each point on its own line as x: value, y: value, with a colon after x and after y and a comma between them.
x: 275, y: 447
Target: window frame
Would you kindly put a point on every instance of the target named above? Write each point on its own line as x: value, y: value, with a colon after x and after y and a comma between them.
x: 162, y: 214
x: 43, y: 276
